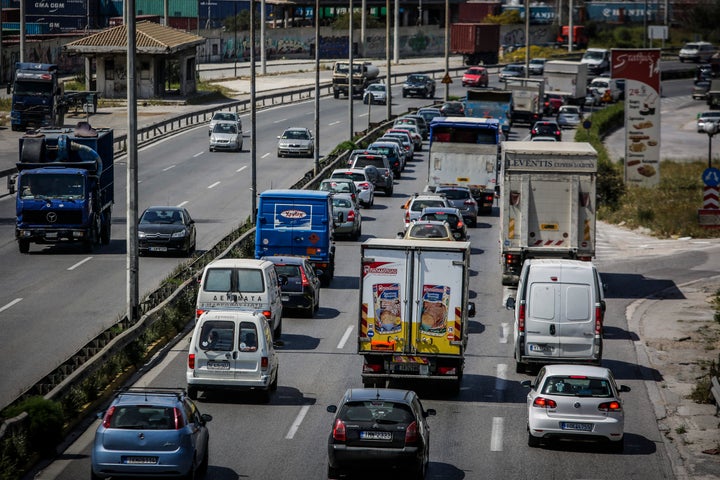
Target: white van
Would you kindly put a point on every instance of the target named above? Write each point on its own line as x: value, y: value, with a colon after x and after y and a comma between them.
x: 597, y: 60
x: 559, y: 309
x: 232, y: 350
x: 242, y: 283
x: 603, y: 84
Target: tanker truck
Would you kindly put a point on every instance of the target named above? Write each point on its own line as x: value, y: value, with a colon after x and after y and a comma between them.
x: 364, y: 74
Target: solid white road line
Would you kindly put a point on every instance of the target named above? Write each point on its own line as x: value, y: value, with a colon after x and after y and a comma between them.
x: 345, y: 337
x: 496, y: 435
x: 80, y: 263
x: 297, y: 422
x: 8, y: 305
x: 214, y: 185
x: 501, y: 376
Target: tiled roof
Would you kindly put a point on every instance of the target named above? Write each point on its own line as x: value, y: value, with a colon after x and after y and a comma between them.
x: 150, y: 37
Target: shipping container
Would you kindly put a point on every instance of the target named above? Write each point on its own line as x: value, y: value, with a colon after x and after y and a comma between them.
x: 477, y: 11
x: 176, y: 8
x: 13, y: 28
x: 622, y: 12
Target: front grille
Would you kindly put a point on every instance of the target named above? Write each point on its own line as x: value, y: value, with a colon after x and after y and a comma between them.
x: 64, y: 217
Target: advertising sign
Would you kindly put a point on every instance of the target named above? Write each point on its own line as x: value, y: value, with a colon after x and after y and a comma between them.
x: 641, y: 70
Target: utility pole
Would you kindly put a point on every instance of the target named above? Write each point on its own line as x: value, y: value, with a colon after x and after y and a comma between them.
x: 317, y: 87
x: 351, y: 73
x: 253, y: 109
x: 133, y: 264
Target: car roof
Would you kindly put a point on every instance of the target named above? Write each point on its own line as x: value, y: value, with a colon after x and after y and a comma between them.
x: 392, y: 394
x: 160, y: 207
x: 587, y: 370
x: 286, y: 259
x: 293, y: 193
x: 451, y: 187
x: 452, y: 210
x: 156, y: 396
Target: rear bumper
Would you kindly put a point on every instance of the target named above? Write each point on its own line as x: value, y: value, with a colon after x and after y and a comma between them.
x: 342, y: 457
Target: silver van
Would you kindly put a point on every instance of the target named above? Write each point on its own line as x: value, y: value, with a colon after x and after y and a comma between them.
x: 242, y: 283
x: 232, y: 350
x: 559, y: 309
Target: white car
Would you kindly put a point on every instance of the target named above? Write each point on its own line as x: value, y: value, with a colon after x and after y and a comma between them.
x: 226, y: 136
x: 415, y: 205
x: 414, y: 133
x: 296, y: 141
x: 225, y: 117
x: 365, y: 185
x: 375, y: 93
x: 575, y: 402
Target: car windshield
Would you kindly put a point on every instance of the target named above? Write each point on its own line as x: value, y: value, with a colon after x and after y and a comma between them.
x: 376, y: 88
x: 591, y: 55
x: 474, y: 71
x: 296, y: 135
x: 355, y: 176
x: 224, y: 116
x: 579, y: 386
x: 225, y: 128
x: 416, y: 79
x: 161, y: 217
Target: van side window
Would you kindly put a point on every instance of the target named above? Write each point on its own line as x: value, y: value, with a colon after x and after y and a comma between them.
x: 218, y: 280
x: 248, y: 337
x: 217, y: 336
x: 250, y: 280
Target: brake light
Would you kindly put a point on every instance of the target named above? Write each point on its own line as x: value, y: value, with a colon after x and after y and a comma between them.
x: 339, y: 433
x: 108, y: 417
x: 598, y: 321
x: 470, y: 202
x: 350, y: 217
x: 267, y: 313
x: 521, y: 318
x: 364, y: 185
x: 177, y: 416
x: 542, y: 402
x: 198, y: 313
x: 613, y: 406
x: 264, y: 362
x: 411, y: 433
x: 459, y: 224
x: 407, y: 215
x: 446, y: 371
x: 191, y: 361
x: 303, y: 277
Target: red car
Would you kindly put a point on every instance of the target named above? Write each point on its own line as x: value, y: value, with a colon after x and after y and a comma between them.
x: 475, y: 77
x: 552, y: 103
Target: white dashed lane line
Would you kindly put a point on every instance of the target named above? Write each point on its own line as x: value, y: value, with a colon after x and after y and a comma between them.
x: 8, y: 305
x: 214, y: 185
x: 297, y: 422
x: 80, y: 263
x: 496, y: 435
x: 345, y: 337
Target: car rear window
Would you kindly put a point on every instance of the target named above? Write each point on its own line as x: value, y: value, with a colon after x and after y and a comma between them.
x: 381, y: 412
x: 451, y: 219
x: 288, y: 270
x: 418, y: 205
x: 356, y: 177
x: 145, y: 417
x: 453, y: 194
x: 234, y: 280
x: 577, y: 386
x: 362, y: 162
x: 217, y: 335
x: 341, y: 203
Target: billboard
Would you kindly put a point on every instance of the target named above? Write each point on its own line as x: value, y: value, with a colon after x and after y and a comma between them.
x: 641, y: 70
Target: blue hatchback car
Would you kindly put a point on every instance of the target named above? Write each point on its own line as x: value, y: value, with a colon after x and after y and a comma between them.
x: 151, y: 432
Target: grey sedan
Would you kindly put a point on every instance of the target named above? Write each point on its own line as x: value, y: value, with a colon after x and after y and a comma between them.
x: 297, y: 141
x: 348, y: 220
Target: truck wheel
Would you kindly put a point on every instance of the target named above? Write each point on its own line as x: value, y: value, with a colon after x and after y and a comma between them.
x: 336, y: 94
x: 24, y: 246
x: 105, y: 231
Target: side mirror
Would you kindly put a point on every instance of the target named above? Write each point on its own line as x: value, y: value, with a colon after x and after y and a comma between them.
x: 400, y: 235
x: 510, y: 303
x: 471, y: 309
x: 624, y: 388
x: 206, y: 417
x: 332, y: 408
x: 526, y: 383
x: 430, y: 412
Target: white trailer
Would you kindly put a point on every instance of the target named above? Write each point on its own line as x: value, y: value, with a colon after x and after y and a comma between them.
x: 548, y: 203
x: 566, y: 78
x: 527, y: 95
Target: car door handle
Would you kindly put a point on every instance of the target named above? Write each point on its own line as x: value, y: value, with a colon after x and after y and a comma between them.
x: 552, y: 329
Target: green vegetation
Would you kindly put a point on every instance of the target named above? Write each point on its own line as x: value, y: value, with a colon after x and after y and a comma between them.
x: 701, y: 392
x: 341, y: 22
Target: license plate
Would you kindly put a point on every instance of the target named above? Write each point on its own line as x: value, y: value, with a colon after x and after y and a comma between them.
x: 385, y: 436
x: 140, y: 460
x: 540, y: 348
x: 585, y: 427
x: 218, y: 365
x: 158, y: 249
x: 405, y: 367
x: 51, y: 235
x: 285, y: 298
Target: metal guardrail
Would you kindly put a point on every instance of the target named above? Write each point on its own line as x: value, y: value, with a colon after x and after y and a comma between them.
x: 715, y: 391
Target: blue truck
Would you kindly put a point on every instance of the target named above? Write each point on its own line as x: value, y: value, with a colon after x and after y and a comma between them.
x: 65, y: 187
x: 491, y: 104
x: 300, y: 223
x: 39, y: 99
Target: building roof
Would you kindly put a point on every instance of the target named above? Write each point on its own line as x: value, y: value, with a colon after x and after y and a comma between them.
x: 150, y: 38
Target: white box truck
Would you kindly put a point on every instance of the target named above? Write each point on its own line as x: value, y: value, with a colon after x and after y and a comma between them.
x: 414, y: 310
x: 548, y: 203
x: 566, y: 78
x: 527, y: 95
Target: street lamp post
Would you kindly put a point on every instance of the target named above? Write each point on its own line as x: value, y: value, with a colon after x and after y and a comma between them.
x: 711, y: 128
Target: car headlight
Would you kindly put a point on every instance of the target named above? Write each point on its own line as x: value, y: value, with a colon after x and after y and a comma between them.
x: 141, y: 235
x: 213, y: 139
x: 180, y: 234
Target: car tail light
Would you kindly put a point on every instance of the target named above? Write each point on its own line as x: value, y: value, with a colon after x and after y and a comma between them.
x: 177, y: 416
x: 598, y: 320
x: 557, y: 132
x: 446, y: 370
x: 339, y: 432
x: 407, y: 215
x: 353, y: 197
x: 108, y: 417
x: 613, y: 406
x: 351, y: 216
x: 303, y: 278
x: 364, y: 185
x: 191, y: 361
x: 198, y: 313
x: 264, y: 362
x: 521, y: 317
x: 411, y: 433
x: 267, y: 313
x: 470, y: 201
x: 542, y: 402
x: 459, y: 224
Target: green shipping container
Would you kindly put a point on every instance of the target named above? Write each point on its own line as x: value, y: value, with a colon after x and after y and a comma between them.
x: 176, y: 8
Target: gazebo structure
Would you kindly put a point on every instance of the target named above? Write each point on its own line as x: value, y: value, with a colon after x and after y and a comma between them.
x: 165, y: 60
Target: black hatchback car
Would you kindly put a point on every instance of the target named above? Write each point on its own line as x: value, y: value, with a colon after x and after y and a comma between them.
x: 419, y: 85
x: 452, y: 216
x: 379, y: 429
x: 299, y: 283
x: 546, y: 128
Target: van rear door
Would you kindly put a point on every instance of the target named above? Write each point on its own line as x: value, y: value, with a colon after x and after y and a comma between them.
x: 290, y: 226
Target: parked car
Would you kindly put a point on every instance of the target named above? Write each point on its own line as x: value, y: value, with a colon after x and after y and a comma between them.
x: 536, y: 66
x: 384, y: 180
x: 569, y: 116
x: 512, y: 70
x: 546, y: 128
x: 363, y: 182
x: 415, y: 205
x: 418, y: 84
x: 166, y: 230
x: 232, y: 117
x: 452, y: 109
x: 700, y: 89
x: 381, y: 429
x: 226, y: 136
x: 297, y: 141
x: 475, y: 77
x: 299, y: 283
x: 707, y: 117
x: 375, y: 93
x: 451, y: 216
x: 575, y: 402
x: 348, y: 220
x: 138, y: 427
x: 696, y: 52
x: 428, y: 230
x: 341, y: 185
x: 429, y: 113
x: 461, y: 198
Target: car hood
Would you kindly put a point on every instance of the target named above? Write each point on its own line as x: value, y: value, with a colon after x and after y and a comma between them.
x: 224, y: 136
x: 290, y: 142
x: 159, y: 228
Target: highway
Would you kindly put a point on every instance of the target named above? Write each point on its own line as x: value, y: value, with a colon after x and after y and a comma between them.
x: 480, y: 433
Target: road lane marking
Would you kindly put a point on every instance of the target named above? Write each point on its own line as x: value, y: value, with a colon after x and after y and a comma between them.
x: 198, y: 154
x: 8, y: 305
x: 333, y: 123
x: 168, y: 168
x: 501, y: 376
x: 266, y: 155
x: 241, y: 169
x: 363, y: 115
x: 80, y: 263
x: 297, y: 422
x: 345, y: 337
x: 214, y: 185
x: 182, y: 204
x: 496, y: 436
x: 281, y: 120
x: 504, y: 332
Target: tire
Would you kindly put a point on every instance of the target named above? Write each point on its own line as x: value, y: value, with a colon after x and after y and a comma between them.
x: 404, y: 94
x: 24, y: 246
x: 336, y: 93
x: 533, y: 442
x: 192, y: 392
x: 274, y: 384
x: 520, y: 367
x: 356, y: 235
x: 105, y: 230
x: 94, y: 476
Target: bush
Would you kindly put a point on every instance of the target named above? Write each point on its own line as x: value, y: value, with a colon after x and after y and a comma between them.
x: 46, y: 423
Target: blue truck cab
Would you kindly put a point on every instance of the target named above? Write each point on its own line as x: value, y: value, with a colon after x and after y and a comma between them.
x: 297, y: 222
x: 65, y: 187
